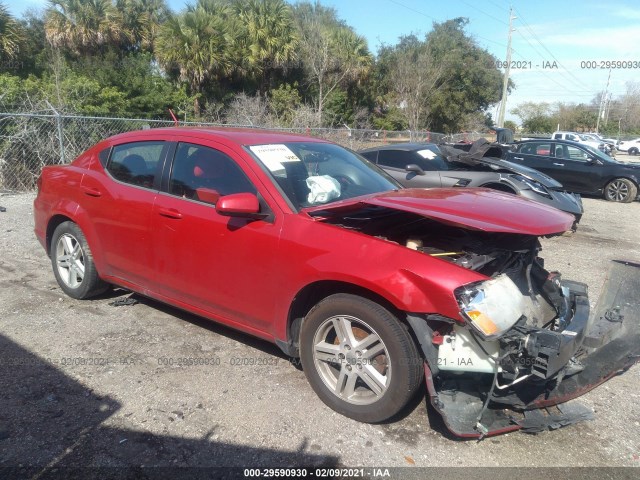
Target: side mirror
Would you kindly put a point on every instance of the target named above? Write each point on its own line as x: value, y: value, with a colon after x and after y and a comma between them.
x: 592, y: 161
x: 244, y: 205
x: 412, y: 167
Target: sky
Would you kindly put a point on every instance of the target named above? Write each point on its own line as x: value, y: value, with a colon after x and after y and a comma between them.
x: 575, y: 34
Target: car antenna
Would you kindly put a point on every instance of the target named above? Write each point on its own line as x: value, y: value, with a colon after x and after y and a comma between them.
x: 175, y: 120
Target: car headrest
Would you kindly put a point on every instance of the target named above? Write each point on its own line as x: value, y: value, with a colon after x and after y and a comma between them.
x: 207, y: 166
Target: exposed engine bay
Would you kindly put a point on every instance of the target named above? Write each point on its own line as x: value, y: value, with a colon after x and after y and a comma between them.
x: 527, y: 337
x: 519, y: 284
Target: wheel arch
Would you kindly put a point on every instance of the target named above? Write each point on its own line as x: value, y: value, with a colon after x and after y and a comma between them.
x: 73, y: 213
x: 631, y: 178
x: 53, y: 223
x: 313, y: 293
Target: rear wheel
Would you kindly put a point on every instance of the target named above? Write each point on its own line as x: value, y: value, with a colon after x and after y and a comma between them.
x: 359, y: 359
x: 633, y: 151
x: 73, y: 264
x: 621, y: 190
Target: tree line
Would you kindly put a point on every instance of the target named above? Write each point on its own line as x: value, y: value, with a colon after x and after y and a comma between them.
x: 260, y: 62
x: 618, y: 116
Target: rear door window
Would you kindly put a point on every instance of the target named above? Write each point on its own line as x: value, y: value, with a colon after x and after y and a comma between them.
x: 137, y: 163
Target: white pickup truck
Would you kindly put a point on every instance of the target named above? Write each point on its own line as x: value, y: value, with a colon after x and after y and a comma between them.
x: 576, y: 137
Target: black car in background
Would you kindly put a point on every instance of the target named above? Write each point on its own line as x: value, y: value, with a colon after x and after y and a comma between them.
x: 580, y: 168
x: 426, y: 165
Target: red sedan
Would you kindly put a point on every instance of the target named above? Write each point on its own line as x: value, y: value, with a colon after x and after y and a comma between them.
x: 306, y: 244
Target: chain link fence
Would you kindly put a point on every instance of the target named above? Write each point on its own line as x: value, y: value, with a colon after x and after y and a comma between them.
x: 30, y: 141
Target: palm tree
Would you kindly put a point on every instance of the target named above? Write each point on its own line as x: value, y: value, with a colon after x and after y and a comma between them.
x: 332, y: 53
x: 269, y: 36
x: 11, y: 34
x: 82, y: 26
x: 194, y: 43
x: 140, y: 22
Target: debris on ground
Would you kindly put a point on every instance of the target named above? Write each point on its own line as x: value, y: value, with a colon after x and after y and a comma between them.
x: 123, y: 302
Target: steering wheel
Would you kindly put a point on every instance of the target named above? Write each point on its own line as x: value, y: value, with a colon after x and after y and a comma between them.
x: 345, y: 181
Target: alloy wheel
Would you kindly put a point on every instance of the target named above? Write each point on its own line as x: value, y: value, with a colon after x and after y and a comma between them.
x: 70, y: 260
x: 352, y: 360
x: 617, y: 191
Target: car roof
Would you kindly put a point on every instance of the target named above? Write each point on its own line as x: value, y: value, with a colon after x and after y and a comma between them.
x: 554, y: 140
x: 240, y: 136
x: 406, y: 147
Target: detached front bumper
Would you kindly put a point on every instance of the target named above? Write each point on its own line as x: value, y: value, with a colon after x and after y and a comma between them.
x: 590, y: 350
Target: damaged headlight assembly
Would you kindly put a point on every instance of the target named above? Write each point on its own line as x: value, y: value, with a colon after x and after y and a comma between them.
x: 491, y: 307
x: 533, y: 185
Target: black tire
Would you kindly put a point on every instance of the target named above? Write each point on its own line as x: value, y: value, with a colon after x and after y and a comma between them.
x: 69, y: 251
x: 398, y: 367
x: 621, y: 190
x: 633, y: 151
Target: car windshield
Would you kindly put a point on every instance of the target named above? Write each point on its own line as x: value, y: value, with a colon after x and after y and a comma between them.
x: 311, y: 174
x: 431, y: 158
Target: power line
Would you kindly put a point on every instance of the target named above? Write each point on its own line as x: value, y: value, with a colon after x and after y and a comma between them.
x: 436, y: 20
x: 569, y: 90
x: 535, y: 36
x: 485, y: 13
x: 495, y: 4
x: 546, y: 74
x: 538, y: 52
x: 413, y: 10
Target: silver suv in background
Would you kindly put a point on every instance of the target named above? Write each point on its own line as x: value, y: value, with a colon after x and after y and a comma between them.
x: 577, y: 137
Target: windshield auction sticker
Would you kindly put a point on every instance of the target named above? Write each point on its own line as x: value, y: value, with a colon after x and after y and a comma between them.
x: 273, y: 156
x: 428, y: 154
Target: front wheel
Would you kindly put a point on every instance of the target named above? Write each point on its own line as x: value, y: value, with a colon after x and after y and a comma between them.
x: 621, y: 190
x: 359, y: 359
x: 73, y: 264
x: 633, y: 151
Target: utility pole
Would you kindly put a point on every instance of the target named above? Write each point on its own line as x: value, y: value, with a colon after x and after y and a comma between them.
x: 608, y: 109
x: 505, y: 83
x: 603, y: 101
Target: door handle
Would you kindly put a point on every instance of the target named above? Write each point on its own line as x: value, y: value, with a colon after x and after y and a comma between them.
x: 92, y: 192
x: 170, y: 213
x: 559, y: 164
x: 518, y: 158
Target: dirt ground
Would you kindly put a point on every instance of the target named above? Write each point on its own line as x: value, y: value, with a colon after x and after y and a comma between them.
x: 88, y: 384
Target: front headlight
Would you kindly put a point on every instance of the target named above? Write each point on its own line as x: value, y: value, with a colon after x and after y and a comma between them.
x: 492, y: 307
x: 533, y: 185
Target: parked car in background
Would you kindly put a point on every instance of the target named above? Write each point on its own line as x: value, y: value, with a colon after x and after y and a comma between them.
x: 632, y: 147
x: 595, y: 137
x: 376, y: 288
x: 597, y: 142
x: 580, y: 138
x: 580, y: 168
x: 424, y: 165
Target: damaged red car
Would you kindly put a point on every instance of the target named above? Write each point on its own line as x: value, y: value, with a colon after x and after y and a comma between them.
x: 378, y: 289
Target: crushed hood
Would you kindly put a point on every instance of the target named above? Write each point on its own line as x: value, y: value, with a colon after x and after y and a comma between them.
x: 473, y: 208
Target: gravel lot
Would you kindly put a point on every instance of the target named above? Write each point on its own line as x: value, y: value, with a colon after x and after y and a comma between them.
x: 127, y: 406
